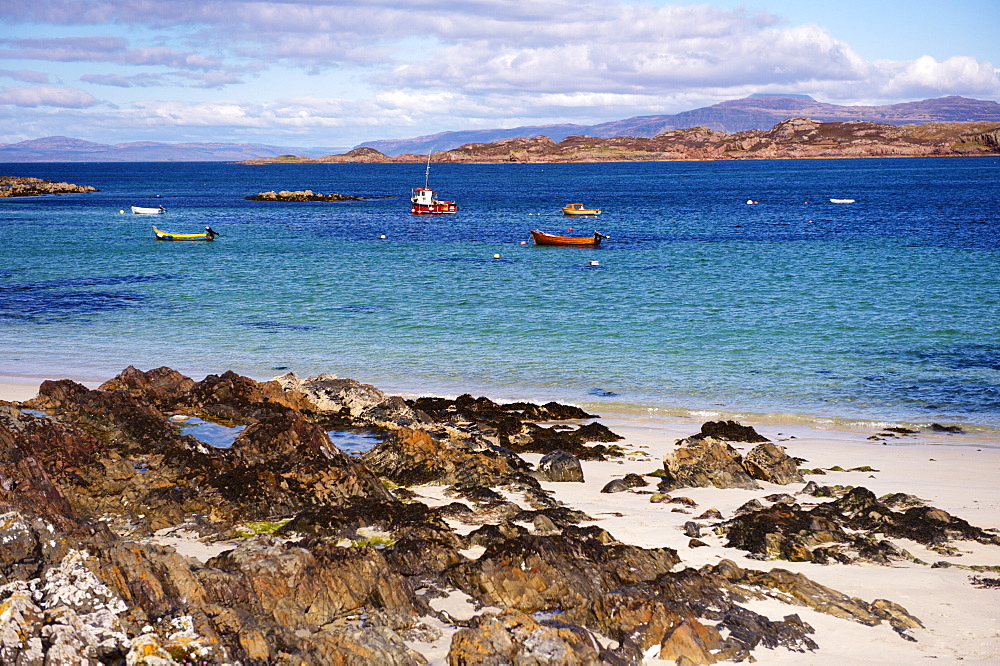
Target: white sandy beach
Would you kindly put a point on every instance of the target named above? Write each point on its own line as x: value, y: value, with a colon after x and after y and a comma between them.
x: 957, y: 473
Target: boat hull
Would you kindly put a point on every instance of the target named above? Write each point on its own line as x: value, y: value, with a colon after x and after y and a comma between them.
x: 541, y: 238
x: 139, y: 210
x: 164, y: 235
x: 441, y: 208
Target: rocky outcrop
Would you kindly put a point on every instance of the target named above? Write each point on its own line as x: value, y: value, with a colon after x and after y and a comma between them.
x: 707, y: 459
x: 515, y: 425
x: 769, y: 462
x: 18, y: 186
x: 412, y: 457
x: 301, y: 195
x: 855, y: 526
x: 316, y: 560
x: 143, y: 474
x: 512, y: 637
x: 704, y: 462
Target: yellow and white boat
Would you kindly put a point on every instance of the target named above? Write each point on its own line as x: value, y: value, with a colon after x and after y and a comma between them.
x: 578, y: 210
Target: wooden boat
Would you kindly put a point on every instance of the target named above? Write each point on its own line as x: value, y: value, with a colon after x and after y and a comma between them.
x: 841, y: 200
x: 139, y: 210
x: 541, y: 238
x: 208, y: 235
x: 424, y: 201
x: 578, y: 209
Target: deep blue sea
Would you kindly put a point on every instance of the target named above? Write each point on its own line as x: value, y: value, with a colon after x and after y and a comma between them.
x: 887, y: 309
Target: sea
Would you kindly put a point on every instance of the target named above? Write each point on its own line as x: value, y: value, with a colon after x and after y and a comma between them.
x: 724, y: 289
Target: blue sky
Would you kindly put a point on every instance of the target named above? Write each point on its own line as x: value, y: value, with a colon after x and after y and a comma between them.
x: 336, y: 73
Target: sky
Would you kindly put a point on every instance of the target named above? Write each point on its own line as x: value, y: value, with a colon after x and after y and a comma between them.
x: 336, y: 73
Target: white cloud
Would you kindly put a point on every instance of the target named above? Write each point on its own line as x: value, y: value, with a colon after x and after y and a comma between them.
x: 956, y: 75
x: 640, y: 50
x: 34, y: 96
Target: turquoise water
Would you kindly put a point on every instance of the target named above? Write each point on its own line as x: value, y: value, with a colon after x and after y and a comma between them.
x: 887, y: 309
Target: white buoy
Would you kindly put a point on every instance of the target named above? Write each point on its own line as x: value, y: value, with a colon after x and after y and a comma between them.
x: 382, y: 237
x: 121, y: 212
x: 496, y: 256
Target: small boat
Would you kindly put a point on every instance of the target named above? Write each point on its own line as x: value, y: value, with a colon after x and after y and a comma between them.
x: 578, y: 209
x: 208, y: 235
x: 139, y: 210
x: 424, y: 201
x: 541, y: 238
x: 841, y: 200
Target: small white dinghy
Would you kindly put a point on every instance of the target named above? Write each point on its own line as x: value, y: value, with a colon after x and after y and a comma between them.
x: 139, y: 210
x: 841, y: 200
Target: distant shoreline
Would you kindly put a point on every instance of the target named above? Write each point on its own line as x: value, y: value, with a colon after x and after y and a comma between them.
x: 794, y: 138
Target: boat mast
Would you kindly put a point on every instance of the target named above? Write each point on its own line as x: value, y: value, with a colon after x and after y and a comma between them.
x: 427, y: 172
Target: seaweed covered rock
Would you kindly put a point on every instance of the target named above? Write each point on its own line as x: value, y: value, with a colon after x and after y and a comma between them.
x: 681, y: 611
x: 857, y: 526
x: 624, y: 484
x: 413, y: 457
x: 730, y: 431
x: 515, y: 425
x: 135, y: 468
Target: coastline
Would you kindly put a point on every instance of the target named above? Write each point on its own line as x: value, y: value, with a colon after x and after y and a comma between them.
x: 958, y: 473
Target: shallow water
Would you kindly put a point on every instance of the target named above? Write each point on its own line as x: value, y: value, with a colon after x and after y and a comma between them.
x: 887, y: 309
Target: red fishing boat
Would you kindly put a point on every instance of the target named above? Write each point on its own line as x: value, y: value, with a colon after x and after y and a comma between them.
x: 424, y: 201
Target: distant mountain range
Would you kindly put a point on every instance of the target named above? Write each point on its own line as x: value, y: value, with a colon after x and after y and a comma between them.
x: 65, y: 149
x: 755, y: 112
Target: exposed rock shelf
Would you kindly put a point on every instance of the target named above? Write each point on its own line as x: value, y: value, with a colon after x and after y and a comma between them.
x: 20, y: 186
x: 325, y: 557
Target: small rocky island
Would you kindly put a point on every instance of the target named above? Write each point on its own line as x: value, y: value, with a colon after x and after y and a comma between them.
x: 303, y: 195
x: 20, y: 186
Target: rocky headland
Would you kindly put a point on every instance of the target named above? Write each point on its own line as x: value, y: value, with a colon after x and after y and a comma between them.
x: 316, y: 556
x: 794, y: 138
x: 20, y: 186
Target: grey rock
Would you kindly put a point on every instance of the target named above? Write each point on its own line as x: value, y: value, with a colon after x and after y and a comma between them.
x: 560, y: 466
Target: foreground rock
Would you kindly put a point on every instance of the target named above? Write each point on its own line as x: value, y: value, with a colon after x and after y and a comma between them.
x: 707, y: 459
x: 322, y: 557
x: 19, y: 186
